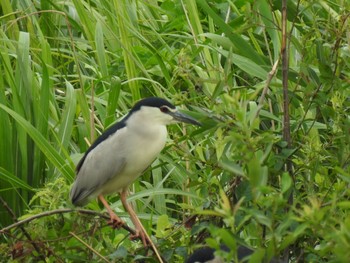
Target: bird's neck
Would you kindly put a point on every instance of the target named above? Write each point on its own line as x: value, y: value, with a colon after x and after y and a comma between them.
x: 148, y: 131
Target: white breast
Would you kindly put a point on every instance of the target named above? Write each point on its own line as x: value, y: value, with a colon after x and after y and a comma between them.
x: 140, y: 148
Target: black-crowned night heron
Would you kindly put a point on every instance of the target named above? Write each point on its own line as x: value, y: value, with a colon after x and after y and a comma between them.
x: 207, y: 255
x: 120, y: 155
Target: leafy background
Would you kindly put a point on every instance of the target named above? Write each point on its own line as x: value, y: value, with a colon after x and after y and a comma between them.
x: 69, y: 69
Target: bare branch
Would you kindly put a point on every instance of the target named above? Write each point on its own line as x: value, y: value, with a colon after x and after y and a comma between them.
x: 267, y: 85
x: 285, y: 68
x: 14, y: 217
x: 62, y: 211
x: 70, y: 210
x: 89, y: 247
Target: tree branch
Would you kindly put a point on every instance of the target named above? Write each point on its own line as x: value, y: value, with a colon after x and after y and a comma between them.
x: 266, y: 87
x: 24, y: 231
x: 62, y: 211
x: 285, y: 67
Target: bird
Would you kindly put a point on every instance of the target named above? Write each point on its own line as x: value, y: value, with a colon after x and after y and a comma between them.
x: 122, y: 153
x: 207, y: 254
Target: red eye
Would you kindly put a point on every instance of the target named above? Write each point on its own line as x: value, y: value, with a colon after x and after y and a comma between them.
x: 164, y: 109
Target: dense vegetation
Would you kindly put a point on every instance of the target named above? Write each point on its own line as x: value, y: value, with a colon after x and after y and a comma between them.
x: 269, y: 168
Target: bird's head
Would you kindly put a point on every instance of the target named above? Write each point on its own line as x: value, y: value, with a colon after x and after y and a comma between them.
x: 158, y: 111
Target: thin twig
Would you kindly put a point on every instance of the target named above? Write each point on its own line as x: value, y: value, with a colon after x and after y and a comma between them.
x: 285, y: 70
x: 89, y: 247
x: 152, y: 245
x: 92, y: 113
x: 285, y: 65
x: 62, y: 211
x: 266, y: 88
x: 25, y: 232
x: 286, y: 117
x: 70, y: 210
x: 185, y: 199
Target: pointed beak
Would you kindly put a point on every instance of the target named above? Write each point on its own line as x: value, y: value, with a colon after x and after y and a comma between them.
x: 181, y: 117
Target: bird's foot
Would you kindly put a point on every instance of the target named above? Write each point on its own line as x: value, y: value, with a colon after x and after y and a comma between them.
x: 139, y: 234
x: 115, y: 221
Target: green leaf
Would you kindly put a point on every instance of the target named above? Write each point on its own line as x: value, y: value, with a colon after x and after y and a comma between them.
x: 100, y: 48
x: 163, y: 226
x: 158, y: 191
x: 267, y: 17
x: 13, y: 180
x: 51, y: 154
x: 67, y: 118
x: 246, y: 64
x: 257, y: 173
x: 232, y: 167
x: 245, y: 49
x: 159, y: 200
x: 286, y: 182
x: 113, y: 98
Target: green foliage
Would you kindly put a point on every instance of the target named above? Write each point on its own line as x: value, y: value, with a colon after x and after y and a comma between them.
x: 70, y: 69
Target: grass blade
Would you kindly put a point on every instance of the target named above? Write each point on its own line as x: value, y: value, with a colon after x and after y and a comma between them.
x: 49, y: 151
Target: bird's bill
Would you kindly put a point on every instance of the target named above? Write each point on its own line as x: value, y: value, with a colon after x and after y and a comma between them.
x: 181, y: 117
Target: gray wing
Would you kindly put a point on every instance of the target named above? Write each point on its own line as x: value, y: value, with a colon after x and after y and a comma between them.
x: 98, y: 167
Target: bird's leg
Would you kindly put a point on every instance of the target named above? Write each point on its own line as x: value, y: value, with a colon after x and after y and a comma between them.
x: 140, y: 231
x: 115, y: 220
